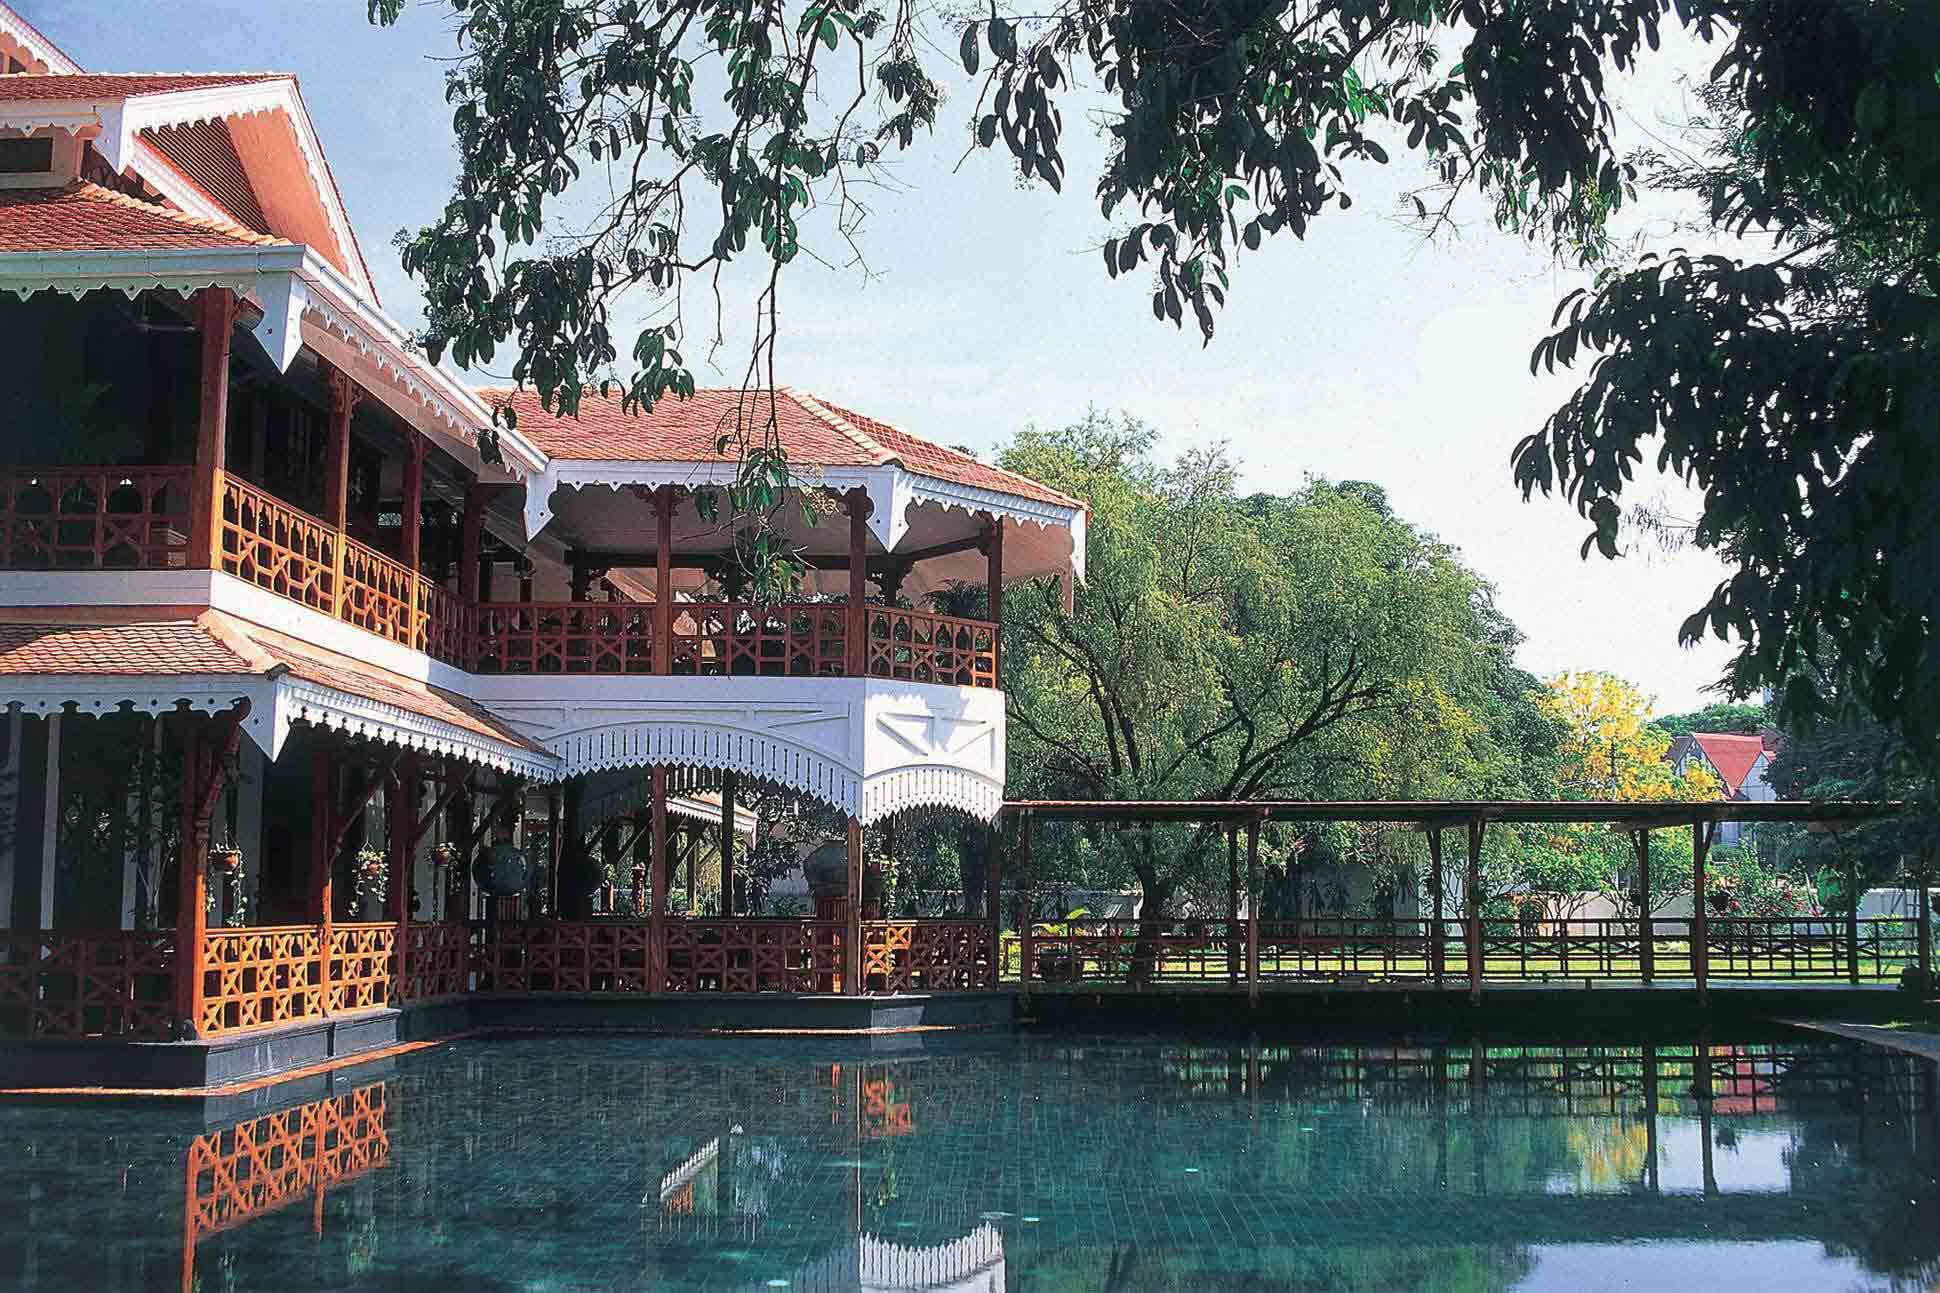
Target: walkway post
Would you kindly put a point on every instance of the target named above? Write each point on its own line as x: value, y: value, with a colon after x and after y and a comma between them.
x: 1701, y: 832
x: 856, y: 615
x: 1025, y: 951
x: 400, y: 815
x: 216, y: 319
x: 1437, y: 933
x: 1232, y: 904
x: 852, y: 936
x: 205, y: 760
x: 1925, y: 936
x: 1852, y: 918
x: 663, y: 589
x: 993, y: 901
x: 1646, y: 949
x: 1473, y: 896
x: 727, y: 843
x: 1253, y: 911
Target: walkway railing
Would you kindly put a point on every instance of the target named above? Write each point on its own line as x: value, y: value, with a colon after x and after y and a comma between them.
x: 87, y: 983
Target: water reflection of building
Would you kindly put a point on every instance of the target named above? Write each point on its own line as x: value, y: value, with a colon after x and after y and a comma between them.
x: 972, y: 1264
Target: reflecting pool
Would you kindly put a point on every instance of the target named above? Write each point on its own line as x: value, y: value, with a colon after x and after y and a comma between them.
x: 1007, y: 1163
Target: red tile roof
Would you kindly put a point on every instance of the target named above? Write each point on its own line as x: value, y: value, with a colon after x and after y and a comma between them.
x: 1733, y: 756
x: 162, y: 646
x: 814, y: 433
x: 87, y: 217
x: 32, y: 87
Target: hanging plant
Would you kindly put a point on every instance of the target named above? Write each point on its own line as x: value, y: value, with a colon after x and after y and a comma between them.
x: 225, y: 859
x: 372, y: 873
x: 444, y: 856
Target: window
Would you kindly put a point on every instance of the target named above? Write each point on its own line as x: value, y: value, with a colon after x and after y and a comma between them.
x: 26, y: 156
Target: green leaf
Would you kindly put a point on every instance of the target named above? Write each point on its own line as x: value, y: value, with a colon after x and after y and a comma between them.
x: 967, y: 48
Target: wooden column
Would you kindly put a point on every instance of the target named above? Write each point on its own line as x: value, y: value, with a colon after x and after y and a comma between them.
x: 852, y: 936
x: 1253, y: 911
x: 994, y: 595
x: 1232, y: 905
x: 858, y: 619
x: 216, y: 316
x: 1651, y: 1180
x: 207, y: 748
x: 555, y: 849
x: 728, y: 787
x: 1646, y: 932
x: 471, y: 539
x: 1473, y: 898
x: 993, y: 906
x: 411, y: 539
x: 324, y: 833
x: 1437, y: 932
x: 572, y: 829
x: 1924, y: 906
x: 1701, y: 832
x: 1852, y: 918
x: 663, y: 580
x: 400, y: 839
x: 1025, y: 950
x: 657, y: 878
x: 692, y: 852
x: 336, y: 473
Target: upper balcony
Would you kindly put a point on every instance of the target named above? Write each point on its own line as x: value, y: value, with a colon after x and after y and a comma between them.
x: 600, y: 561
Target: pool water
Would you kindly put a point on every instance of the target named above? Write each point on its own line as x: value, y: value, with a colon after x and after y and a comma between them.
x: 1000, y: 1162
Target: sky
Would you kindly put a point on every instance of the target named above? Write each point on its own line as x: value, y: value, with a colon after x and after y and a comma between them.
x: 1364, y: 352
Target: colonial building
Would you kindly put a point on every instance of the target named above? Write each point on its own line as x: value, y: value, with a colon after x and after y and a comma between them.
x: 285, y: 661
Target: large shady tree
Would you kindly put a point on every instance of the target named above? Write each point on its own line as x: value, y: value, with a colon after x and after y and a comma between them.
x: 1224, y: 648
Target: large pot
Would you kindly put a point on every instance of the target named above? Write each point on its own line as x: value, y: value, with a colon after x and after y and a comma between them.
x: 501, y: 871
x: 827, y: 872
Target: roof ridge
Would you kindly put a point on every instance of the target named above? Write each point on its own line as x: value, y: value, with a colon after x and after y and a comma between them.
x: 863, y: 440
x: 264, y: 74
x: 92, y: 192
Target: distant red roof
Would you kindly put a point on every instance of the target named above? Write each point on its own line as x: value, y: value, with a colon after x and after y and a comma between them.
x: 813, y: 433
x: 87, y: 217
x: 31, y: 87
x: 133, y: 648
x: 1732, y: 756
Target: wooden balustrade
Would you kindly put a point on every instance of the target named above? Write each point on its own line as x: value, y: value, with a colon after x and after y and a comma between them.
x: 261, y: 1164
x: 87, y: 983
x: 563, y: 956
x: 94, y: 518
x: 563, y: 638
x: 785, y: 640
x: 257, y: 976
x: 1132, y: 951
x: 705, y: 955
x: 362, y: 965
x: 272, y: 545
x: 917, y: 646
x: 437, y: 961
x: 927, y: 955
x: 138, y: 518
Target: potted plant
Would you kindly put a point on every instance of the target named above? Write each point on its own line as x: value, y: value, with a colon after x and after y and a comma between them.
x: 444, y: 857
x: 371, y: 877
x: 225, y: 859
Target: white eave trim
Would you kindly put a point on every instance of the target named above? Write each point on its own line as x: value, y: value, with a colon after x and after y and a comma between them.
x: 879, y: 483
x: 1015, y: 507
x: 35, y: 45
x: 298, y: 700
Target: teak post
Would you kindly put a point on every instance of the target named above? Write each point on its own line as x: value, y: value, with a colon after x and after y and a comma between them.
x: 336, y: 476
x: 400, y: 834
x: 1025, y: 906
x: 411, y: 538
x: 555, y: 853
x: 663, y: 580
x: 857, y: 652
x: 1437, y: 932
x: 471, y: 539
x: 1646, y: 929
x: 1701, y: 833
x: 852, y: 936
x: 1852, y: 918
x: 993, y: 898
x: 728, y: 788
x: 657, y: 918
x: 994, y: 594
x: 325, y: 836
x: 1253, y: 911
x: 206, y: 754
x: 216, y: 314
x: 1473, y: 897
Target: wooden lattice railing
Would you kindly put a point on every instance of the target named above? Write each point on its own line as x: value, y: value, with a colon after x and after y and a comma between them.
x: 94, y: 518
x: 87, y: 983
x: 705, y: 955
x: 437, y: 961
x: 252, y: 977
x: 927, y: 955
x: 563, y: 637
x: 917, y: 646
x: 736, y: 639
x: 563, y: 956
x: 378, y: 594
x: 272, y: 545
x: 447, y: 626
x: 362, y: 965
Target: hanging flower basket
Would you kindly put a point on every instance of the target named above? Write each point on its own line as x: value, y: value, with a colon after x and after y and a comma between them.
x: 444, y: 856
x: 371, y: 874
x: 226, y: 859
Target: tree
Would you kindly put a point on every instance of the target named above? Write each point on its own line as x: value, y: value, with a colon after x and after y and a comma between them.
x: 1226, y: 648
x: 1797, y: 388
x: 1723, y: 716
